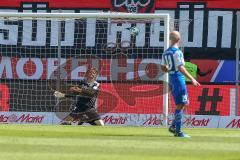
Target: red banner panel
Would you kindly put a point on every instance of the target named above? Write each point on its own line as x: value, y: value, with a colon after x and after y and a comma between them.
x: 209, y: 99
x: 109, y: 3
x: 130, y: 98
x: 148, y: 99
x: 4, y: 97
x: 125, y: 97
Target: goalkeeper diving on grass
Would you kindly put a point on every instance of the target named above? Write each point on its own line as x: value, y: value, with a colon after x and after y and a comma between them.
x: 83, y: 111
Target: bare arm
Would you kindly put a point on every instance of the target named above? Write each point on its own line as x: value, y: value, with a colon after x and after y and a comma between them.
x: 185, y: 73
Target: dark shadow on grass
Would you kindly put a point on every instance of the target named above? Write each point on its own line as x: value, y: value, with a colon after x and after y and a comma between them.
x: 133, y: 135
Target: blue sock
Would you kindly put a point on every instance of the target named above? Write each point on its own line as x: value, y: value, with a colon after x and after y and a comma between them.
x: 173, y: 125
x: 174, y: 121
x: 178, y: 119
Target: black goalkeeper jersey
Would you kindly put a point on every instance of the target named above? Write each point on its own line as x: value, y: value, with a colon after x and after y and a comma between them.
x: 88, y: 97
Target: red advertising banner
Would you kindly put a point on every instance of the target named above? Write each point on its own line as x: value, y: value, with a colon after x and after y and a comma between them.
x: 124, y: 97
x: 210, y: 3
x: 147, y: 99
x: 108, y: 3
x: 4, y: 97
x: 209, y: 99
x: 44, y: 68
x: 130, y: 98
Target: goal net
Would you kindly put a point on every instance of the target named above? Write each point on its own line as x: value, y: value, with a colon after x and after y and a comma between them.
x: 44, y: 52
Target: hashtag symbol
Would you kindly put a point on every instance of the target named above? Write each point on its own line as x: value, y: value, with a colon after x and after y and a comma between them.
x: 205, y: 98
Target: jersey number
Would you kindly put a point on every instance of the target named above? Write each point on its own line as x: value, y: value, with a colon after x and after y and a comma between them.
x: 169, y: 62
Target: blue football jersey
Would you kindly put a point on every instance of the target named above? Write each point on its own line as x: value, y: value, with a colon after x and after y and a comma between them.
x: 173, y: 58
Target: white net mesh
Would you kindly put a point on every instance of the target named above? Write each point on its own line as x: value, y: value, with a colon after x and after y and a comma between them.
x: 40, y: 55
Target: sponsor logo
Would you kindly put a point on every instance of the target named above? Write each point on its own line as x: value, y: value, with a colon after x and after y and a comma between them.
x: 23, y: 118
x: 115, y: 120
x: 153, y: 121
x: 197, y: 122
x: 235, y: 123
x: 40, y: 68
x: 133, y: 6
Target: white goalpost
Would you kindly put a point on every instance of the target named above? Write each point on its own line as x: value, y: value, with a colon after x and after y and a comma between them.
x: 237, y: 63
x: 43, y: 52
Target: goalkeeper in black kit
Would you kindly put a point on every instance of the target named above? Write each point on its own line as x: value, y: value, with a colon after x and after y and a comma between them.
x: 83, y: 111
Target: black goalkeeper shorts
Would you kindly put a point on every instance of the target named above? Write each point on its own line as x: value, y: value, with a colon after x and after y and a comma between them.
x: 87, y: 116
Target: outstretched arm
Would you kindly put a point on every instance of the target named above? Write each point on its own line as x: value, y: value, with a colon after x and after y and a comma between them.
x: 90, y: 92
x: 76, y: 91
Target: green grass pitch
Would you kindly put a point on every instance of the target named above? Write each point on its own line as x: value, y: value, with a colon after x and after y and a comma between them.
x: 45, y: 142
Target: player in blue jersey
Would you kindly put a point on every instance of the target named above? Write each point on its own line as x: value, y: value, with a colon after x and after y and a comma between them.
x: 173, y: 63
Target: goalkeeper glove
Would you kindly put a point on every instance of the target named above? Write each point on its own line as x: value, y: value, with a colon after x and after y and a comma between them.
x: 58, y: 94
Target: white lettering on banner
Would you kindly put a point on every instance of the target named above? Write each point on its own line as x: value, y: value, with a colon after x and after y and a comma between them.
x: 235, y: 123
x: 91, y: 32
x: 198, y: 28
x: 12, y: 31
x: 114, y: 120
x: 213, y: 28
x: 52, y: 66
x: 140, y: 38
x: 21, y: 69
x: 114, y: 28
x: 5, y: 65
x: 68, y: 32
x: 40, y: 32
x: 37, y: 68
x: 90, y: 28
x: 156, y: 29
x: 23, y: 118
x: 155, y: 35
x: 196, y: 122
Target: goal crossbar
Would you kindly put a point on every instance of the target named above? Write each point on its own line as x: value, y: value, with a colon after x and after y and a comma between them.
x: 138, y: 16
x: 83, y: 15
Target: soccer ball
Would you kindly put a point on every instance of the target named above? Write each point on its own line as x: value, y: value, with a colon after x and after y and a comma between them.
x: 134, y: 31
